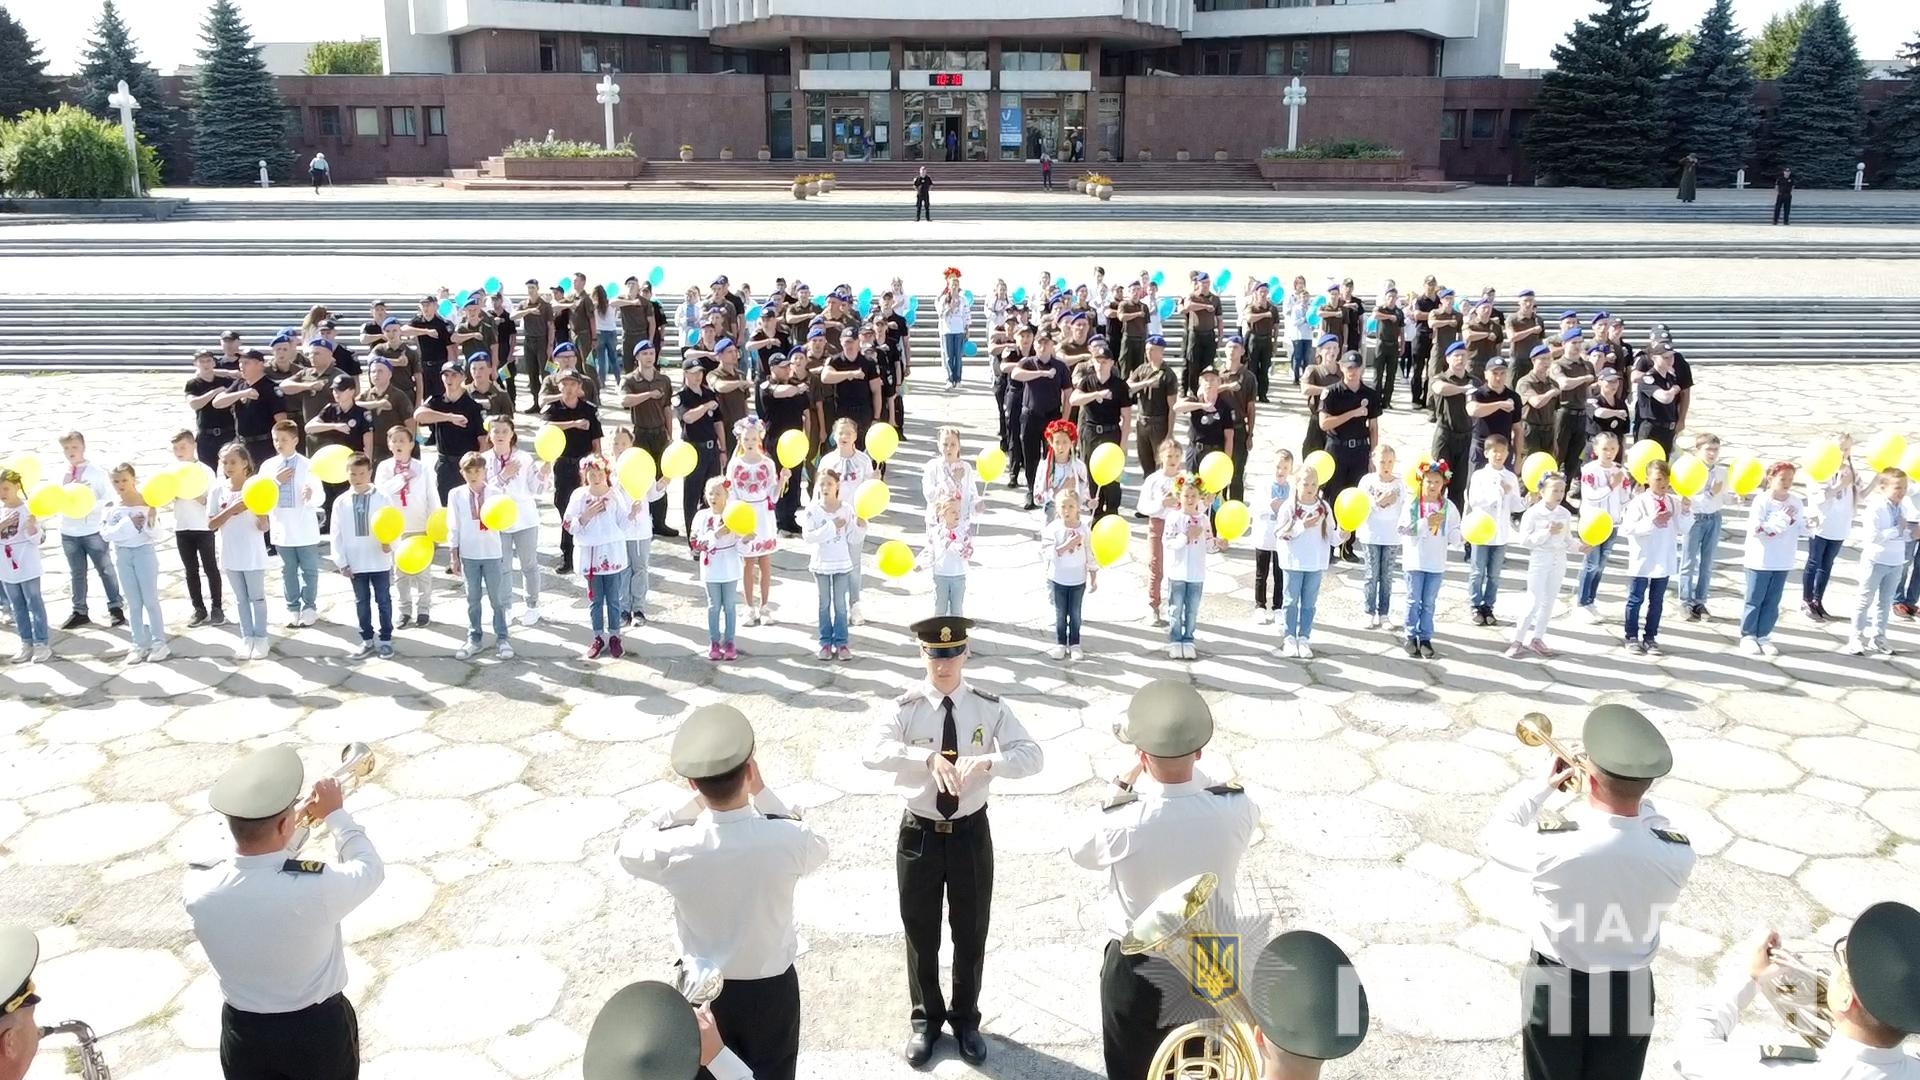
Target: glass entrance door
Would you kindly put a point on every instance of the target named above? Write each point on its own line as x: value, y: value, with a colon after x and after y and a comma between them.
x: 1043, y: 130
x: 848, y: 121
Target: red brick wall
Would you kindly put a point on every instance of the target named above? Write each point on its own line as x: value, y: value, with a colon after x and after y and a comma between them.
x: 1244, y: 116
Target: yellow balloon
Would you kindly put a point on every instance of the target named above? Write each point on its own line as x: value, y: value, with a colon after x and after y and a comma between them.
x: 894, y: 558
x: 1110, y: 539
x: 1823, y: 460
x: 437, y: 529
x: 1413, y: 474
x: 190, y: 481
x: 1321, y: 463
x: 27, y: 464
x: 1479, y: 528
x: 76, y: 500
x: 330, y: 464
x: 1216, y: 472
x: 160, y: 489
x: 1745, y: 475
x: 991, y: 464
x: 1689, y: 476
x: 414, y: 556
x: 549, y: 444
x: 499, y: 513
x: 45, y: 500
x: 679, y: 459
x: 1644, y: 453
x: 1351, y: 508
x: 1536, y: 467
x: 1910, y: 464
x: 740, y: 519
x: 1105, y: 464
x: 792, y: 448
x: 882, y: 441
x: 1231, y: 520
x: 1595, y: 532
x: 1886, y: 451
x: 260, y: 494
x: 388, y: 524
x: 870, y: 499
x: 635, y: 472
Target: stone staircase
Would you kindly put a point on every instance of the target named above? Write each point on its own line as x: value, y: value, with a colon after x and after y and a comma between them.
x: 1212, y: 177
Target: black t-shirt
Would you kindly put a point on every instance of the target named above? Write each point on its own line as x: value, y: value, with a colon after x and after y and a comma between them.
x: 579, y: 440
x: 1340, y: 400
x: 782, y: 414
x: 1209, y: 427
x: 452, y: 440
x: 1652, y: 409
x: 1453, y: 407
x: 892, y: 371
x: 209, y: 420
x: 1155, y: 400
x: 1104, y: 413
x: 776, y: 345
x: 344, y: 359
x: 921, y: 184
x: 700, y: 430
x: 358, y: 420
x: 433, y: 347
x: 854, y: 397
x: 1499, y: 423
x: 254, y: 419
x: 896, y: 329
x: 1426, y: 304
x: 1616, y: 425
x: 1042, y: 396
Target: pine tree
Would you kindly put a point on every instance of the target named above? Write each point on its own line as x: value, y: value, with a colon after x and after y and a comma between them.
x: 1597, y: 120
x: 238, y: 121
x: 1773, y: 49
x: 1710, y: 100
x: 1896, y: 127
x: 23, y: 71
x: 1819, y: 123
x: 111, y: 57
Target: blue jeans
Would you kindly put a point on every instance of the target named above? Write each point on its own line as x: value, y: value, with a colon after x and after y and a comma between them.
x: 639, y: 574
x: 29, y: 611
x: 952, y: 348
x: 1483, y: 581
x: 372, y: 591
x: 491, y: 573
x: 1423, y: 592
x: 300, y: 576
x: 1909, y: 592
x: 79, y: 550
x: 1183, y: 610
x: 1302, y: 353
x: 1381, y: 560
x: 949, y: 592
x: 1066, y: 612
x: 833, y: 608
x: 249, y: 588
x: 1761, y: 608
x: 1696, y: 559
x: 1590, y: 569
x: 606, y: 600
x: 1820, y: 555
x: 606, y: 355
x: 1653, y: 591
x: 723, y: 600
x: 140, y: 582
x: 1303, y: 595
x: 1877, y: 581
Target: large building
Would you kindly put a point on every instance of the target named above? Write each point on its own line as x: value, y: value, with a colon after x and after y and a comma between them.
x: 912, y: 80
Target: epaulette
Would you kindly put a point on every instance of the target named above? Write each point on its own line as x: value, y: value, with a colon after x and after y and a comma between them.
x: 205, y: 865
x: 302, y: 866
x: 1228, y: 788
x: 1788, y: 1052
x: 1557, y: 825
x: 984, y: 694
x: 1672, y: 837
x: 673, y: 825
x: 1124, y: 798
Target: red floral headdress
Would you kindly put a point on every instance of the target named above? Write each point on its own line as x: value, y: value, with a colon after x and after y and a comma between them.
x: 1059, y: 427
x: 1186, y: 480
x: 951, y: 273
x: 1435, y: 467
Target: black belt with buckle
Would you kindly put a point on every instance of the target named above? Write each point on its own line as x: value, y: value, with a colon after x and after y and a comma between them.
x: 944, y: 827
x: 1101, y: 427
x: 1350, y: 444
x: 709, y: 444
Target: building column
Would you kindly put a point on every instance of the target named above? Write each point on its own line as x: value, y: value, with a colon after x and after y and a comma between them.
x: 896, y: 100
x: 994, y: 52
x: 796, y: 62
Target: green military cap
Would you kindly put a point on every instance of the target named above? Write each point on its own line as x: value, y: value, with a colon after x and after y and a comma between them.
x: 19, y: 952
x: 1169, y: 719
x: 1307, y: 997
x: 1623, y: 743
x: 261, y: 786
x: 645, y: 1031
x: 942, y: 636
x: 1883, y: 963
x: 712, y: 742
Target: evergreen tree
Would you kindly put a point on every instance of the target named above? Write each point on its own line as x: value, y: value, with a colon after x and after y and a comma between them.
x: 1773, y: 49
x: 1819, y: 123
x: 1896, y: 127
x: 23, y: 71
x: 1710, y: 100
x: 1597, y: 120
x: 238, y: 120
x: 111, y: 57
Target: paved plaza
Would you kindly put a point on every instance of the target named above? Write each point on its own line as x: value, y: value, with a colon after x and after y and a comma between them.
x: 502, y: 787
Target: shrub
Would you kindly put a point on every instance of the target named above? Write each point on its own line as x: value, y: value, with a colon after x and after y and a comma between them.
x: 567, y: 148
x: 70, y: 154
x: 1334, y: 150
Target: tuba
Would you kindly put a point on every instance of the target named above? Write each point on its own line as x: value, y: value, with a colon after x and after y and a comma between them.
x: 357, y: 762
x: 1220, y: 1048
x: 1798, y: 992
x: 93, y: 1066
x: 1536, y: 729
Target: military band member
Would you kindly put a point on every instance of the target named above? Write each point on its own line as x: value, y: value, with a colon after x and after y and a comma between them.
x: 270, y: 924
x: 1309, y: 1003
x: 731, y: 856
x: 1603, y: 875
x: 648, y: 1031
x: 945, y: 742
x: 1155, y: 831
x: 19, y: 1033
x: 1873, y: 995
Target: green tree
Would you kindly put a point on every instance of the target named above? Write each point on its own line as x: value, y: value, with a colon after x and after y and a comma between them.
x: 1710, y: 100
x: 1896, y: 127
x: 1773, y: 49
x: 344, y: 58
x: 1682, y: 48
x: 238, y: 121
x: 1605, y: 87
x: 111, y: 57
x: 23, y: 71
x: 1819, y: 125
x: 68, y: 153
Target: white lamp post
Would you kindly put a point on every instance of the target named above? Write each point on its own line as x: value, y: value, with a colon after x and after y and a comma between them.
x: 608, y: 94
x: 123, y: 100
x: 1293, y: 97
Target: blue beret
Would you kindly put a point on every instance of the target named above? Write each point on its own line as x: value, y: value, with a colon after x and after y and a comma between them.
x: 1458, y: 346
x: 1262, y: 285
x: 1325, y: 339
x: 1571, y: 333
x: 1599, y: 350
x: 799, y: 286
x: 1336, y: 288
x: 1444, y: 293
x: 281, y: 338
x: 723, y: 345
x: 818, y: 321
x: 1156, y: 339
x: 565, y: 347
x: 815, y: 332
x: 645, y: 346
x: 389, y: 321
x: 1526, y: 292
x: 321, y: 343
x: 479, y: 358
x: 1201, y: 276
x: 381, y: 361
x: 1600, y: 317
x: 1538, y: 350
x: 1236, y: 339
x: 1569, y: 314
x: 1099, y: 343
x: 291, y: 331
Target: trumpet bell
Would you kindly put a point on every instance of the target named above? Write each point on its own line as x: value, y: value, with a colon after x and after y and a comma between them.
x: 1205, y: 1050
x: 1798, y: 993
x: 1171, y: 915
x: 1534, y: 729
x: 698, y: 979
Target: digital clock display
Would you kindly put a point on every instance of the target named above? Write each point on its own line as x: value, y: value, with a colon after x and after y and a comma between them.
x: 946, y: 78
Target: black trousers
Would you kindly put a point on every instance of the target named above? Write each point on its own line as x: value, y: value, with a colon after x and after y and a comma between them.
x: 1242, y: 445
x: 1783, y: 210
x: 957, y: 866
x: 1260, y: 356
x: 1585, y: 1025
x: 1452, y: 449
x: 759, y: 1020
x: 566, y: 480
x: 922, y: 206
x: 259, y: 448
x: 1106, y: 499
x: 1540, y: 437
x: 319, y: 1042
x: 1033, y: 451
x: 1386, y: 365
x: 1148, y: 433
x: 1570, y: 446
x: 786, y: 509
x: 1198, y: 357
x: 207, y: 446
x: 533, y: 359
x: 1417, y: 376
x: 196, y: 558
x: 1264, y: 563
x: 1015, y: 416
x: 1315, y: 438
x: 1660, y: 433
x: 1133, y: 353
x: 330, y: 493
x: 693, y: 490
x: 1130, y: 1028
x: 654, y: 441
x: 1352, y: 458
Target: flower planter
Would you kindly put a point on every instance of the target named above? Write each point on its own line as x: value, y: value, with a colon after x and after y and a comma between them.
x: 1219, y: 155
x: 1104, y: 154
x: 799, y: 190
x: 839, y: 155
x: 1182, y: 155
x: 1334, y: 170
x: 1079, y: 185
x: 726, y: 153
x: 765, y: 154
x: 1143, y: 154
x: 686, y: 153
x: 526, y: 168
x: 813, y: 187
x: 1106, y: 192
x: 828, y: 183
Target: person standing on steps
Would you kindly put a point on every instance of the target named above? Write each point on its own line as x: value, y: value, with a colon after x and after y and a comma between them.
x: 922, y: 190
x: 1783, y: 198
x: 1689, y: 165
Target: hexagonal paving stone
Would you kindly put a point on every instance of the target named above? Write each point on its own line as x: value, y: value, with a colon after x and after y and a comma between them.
x: 408, y: 830
x: 849, y: 901
x: 113, y: 989
x: 1375, y: 902
x: 598, y: 768
x: 464, y: 996
x: 1438, y: 992
x: 1729, y: 766
x: 402, y: 898
x: 93, y: 834
x: 1845, y: 886
x: 109, y: 720
x: 521, y: 905
x: 457, y: 770
x: 1338, y: 827
x: 1393, y: 717
x: 233, y: 719
x: 1791, y: 714
x: 1265, y: 718
x: 552, y: 830
x: 1852, y: 760
x: 617, y: 719
x: 1801, y: 823
x: 1897, y: 810
x: 1446, y: 767
x: 1888, y: 708
x: 46, y: 768
x: 165, y: 772
x: 1305, y: 767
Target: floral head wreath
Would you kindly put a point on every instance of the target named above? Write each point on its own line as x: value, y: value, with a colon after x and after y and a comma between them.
x: 1186, y: 480
x: 951, y: 273
x: 1780, y: 467
x: 1436, y: 468
x: 748, y: 423
x: 1061, y: 427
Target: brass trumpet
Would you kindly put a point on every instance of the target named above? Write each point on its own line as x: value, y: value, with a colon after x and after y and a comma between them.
x: 1536, y: 729
x: 1798, y: 992
x: 357, y: 762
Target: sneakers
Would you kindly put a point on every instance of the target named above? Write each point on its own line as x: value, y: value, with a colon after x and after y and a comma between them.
x: 1487, y: 614
x: 308, y: 617
x: 465, y: 652
x: 1413, y: 648
x: 25, y: 654
x: 1854, y: 647
x: 1373, y: 622
x: 595, y: 648
x: 1905, y: 611
x: 42, y: 653
x: 1635, y: 648
x: 1303, y: 650
x: 1262, y: 617
x: 158, y: 653
x: 1820, y: 608
x: 1881, y: 648
x: 1188, y: 651
x: 1750, y: 646
x: 1479, y: 617
x: 1693, y: 612
x: 614, y: 648
x: 1768, y: 647
x: 116, y: 617
x: 1811, y: 611
x: 1074, y: 653
x: 766, y: 615
x: 1289, y: 646
x: 1426, y: 650
x: 1652, y: 648
x: 530, y: 617
x: 1174, y: 652
x: 423, y: 620
x: 1159, y: 621
x: 135, y: 656
x: 1058, y: 652
x: 843, y: 653
x: 713, y: 650
x: 218, y: 618
x: 1515, y: 651
x: 1592, y: 613
x: 76, y: 620
x: 728, y: 652
x: 199, y: 619
x: 1539, y: 648
x: 365, y: 650
x: 826, y: 652
x: 384, y: 650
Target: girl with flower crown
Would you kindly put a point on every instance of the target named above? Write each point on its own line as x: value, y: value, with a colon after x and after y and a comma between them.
x: 1308, y: 534
x: 1430, y: 526
x: 757, y: 480
x: 1063, y: 470
x: 596, y: 519
x: 1187, y: 533
x: 718, y: 549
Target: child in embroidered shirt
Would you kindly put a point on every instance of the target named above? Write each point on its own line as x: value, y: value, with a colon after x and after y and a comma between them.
x: 949, y: 550
x: 596, y: 516
x: 1775, y: 523
x: 1157, y: 500
x: 756, y: 480
x: 133, y: 528
x: 243, y: 550
x: 828, y: 524
x: 1696, y: 553
x: 20, y: 570
x: 1309, y: 532
x: 639, y: 532
x: 362, y: 557
x: 1605, y: 487
x: 1266, y: 540
x: 295, y: 531
x: 1062, y: 471
x: 1188, y: 532
x: 478, y: 554
x: 854, y: 467
x: 403, y: 478
x: 1492, y: 490
x: 1830, y: 511
x: 1428, y: 528
x: 1546, y: 530
x: 1065, y: 544
x: 192, y: 539
x: 1882, y: 558
x: 1654, y: 522
x: 1379, y: 534
x: 718, y: 549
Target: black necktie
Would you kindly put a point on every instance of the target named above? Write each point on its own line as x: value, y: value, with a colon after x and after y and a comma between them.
x: 949, y: 749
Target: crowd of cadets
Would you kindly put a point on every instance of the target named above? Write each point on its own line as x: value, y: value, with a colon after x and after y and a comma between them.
x: 1082, y: 368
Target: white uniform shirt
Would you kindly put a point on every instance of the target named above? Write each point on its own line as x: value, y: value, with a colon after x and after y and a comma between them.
x: 19, y: 545
x: 906, y: 743
x: 1496, y: 493
x: 190, y: 515
x: 243, y: 544
x: 1774, y: 528
x: 1601, y: 888
x: 467, y: 535
x: 1706, y: 1052
x: 414, y: 491
x: 273, y: 934
x: 828, y: 531
x: 96, y: 478
x: 353, y: 542
x: 1382, y: 526
x: 1653, y: 551
x: 525, y: 489
x: 1164, y: 835
x: 117, y: 524
x: 1186, y: 560
x: 296, y: 518
x: 1071, y: 567
x: 732, y: 874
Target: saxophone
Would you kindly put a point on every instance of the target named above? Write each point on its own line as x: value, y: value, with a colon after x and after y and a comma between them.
x: 93, y: 1065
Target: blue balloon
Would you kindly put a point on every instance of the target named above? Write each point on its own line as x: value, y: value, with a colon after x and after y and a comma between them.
x: 970, y: 349
x: 1166, y: 307
x: 446, y: 308
x: 1020, y: 295
x: 493, y: 285
x: 753, y: 313
x: 612, y: 289
x: 460, y: 300
x: 866, y: 306
x: 866, y: 297
x: 656, y: 276
x: 1159, y: 278
x: 693, y: 336
x: 1273, y: 283
x: 1225, y: 275
x: 1373, y: 326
